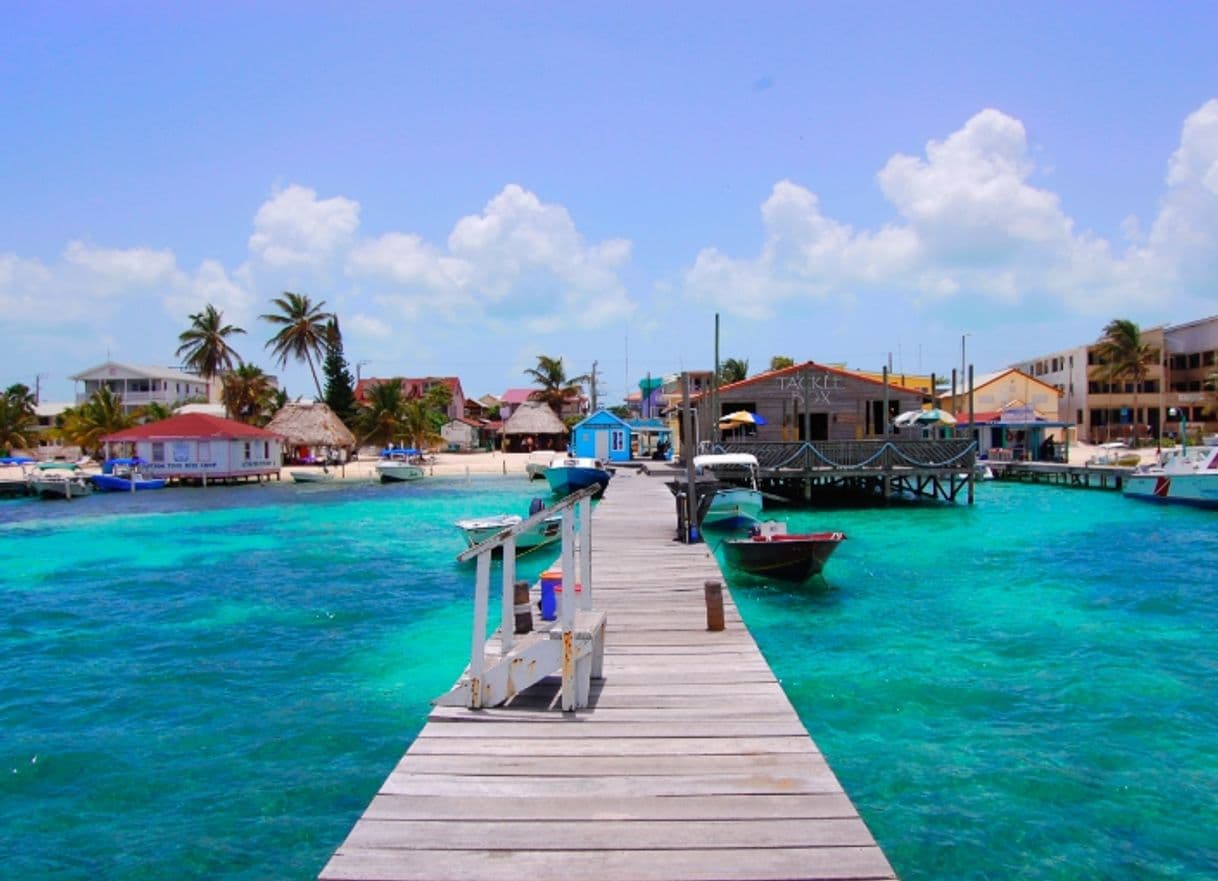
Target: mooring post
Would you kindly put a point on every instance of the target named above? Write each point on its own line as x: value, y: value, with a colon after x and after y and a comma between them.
x: 714, y: 605
x: 523, y: 610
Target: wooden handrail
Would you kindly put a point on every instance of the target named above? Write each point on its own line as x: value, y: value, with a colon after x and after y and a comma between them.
x: 501, y: 537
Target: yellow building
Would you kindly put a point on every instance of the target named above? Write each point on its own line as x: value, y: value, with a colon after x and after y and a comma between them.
x: 1000, y: 390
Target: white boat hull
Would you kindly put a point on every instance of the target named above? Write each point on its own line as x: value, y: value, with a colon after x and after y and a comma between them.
x: 311, y: 476
x: 398, y: 472
x: 1200, y: 490
x: 479, y: 529
x: 1185, y: 477
x: 734, y: 508
x: 61, y: 488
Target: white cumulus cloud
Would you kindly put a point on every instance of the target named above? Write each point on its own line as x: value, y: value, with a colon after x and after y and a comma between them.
x: 970, y: 223
x: 296, y: 229
x: 520, y: 257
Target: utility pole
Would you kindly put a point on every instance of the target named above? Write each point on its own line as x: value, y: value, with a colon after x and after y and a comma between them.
x: 593, y: 386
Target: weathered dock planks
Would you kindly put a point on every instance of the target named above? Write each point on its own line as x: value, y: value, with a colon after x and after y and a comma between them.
x: 689, y: 764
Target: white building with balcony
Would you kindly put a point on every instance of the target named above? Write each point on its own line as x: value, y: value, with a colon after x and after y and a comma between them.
x: 140, y: 386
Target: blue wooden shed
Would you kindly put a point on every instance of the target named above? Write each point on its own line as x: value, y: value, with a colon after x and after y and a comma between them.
x: 603, y: 436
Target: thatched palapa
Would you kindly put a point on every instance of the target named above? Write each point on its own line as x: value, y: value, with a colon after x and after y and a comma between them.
x: 533, y: 425
x: 311, y: 425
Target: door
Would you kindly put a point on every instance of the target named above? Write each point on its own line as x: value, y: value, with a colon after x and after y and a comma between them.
x: 602, y: 445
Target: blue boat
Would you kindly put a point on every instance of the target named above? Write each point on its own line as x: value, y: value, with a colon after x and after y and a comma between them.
x: 123, y: 475
x: 571, y: 473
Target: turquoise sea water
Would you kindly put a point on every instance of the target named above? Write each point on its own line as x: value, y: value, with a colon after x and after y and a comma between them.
x: 213, y: 683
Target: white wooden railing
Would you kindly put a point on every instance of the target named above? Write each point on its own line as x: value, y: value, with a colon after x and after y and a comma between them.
x: 577, y: 505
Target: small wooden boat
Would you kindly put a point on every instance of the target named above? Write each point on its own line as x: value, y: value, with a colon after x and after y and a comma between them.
x: 770, y: 550
x: 310, y: 475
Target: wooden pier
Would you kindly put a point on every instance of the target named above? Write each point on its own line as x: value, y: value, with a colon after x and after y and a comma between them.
x: 688, y: 764
x: 1110, y: 477
x: 869, y: 469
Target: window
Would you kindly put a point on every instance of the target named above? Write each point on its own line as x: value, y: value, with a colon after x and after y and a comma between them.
x: 617, y: 440
x: 158, y: 451
x: 204, y: 454
x: 246, y: 446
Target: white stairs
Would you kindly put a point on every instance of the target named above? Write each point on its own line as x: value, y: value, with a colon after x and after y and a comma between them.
x: 573, y: 645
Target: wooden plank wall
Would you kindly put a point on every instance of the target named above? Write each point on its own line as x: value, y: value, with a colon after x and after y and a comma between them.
x: 689, y: 765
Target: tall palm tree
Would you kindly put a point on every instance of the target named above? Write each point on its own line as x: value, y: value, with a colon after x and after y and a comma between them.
x: 247, y: 394
x: 302, y: 331
x: 380, y: 418
x: 17, y: 417
x: 555, y: 387
x: 97, y: 417
x: 204, y: 345
x: 1124, y: 357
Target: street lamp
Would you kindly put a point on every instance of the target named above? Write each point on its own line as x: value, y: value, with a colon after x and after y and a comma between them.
x: 963, y: 337
x: 1183, y: 414
x: 358, y: 365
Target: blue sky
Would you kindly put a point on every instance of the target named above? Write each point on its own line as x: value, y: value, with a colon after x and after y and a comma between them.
x: 471, y: 185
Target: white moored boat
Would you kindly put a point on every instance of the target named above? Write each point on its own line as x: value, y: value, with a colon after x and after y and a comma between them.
x: 734, y: 506
x: 478, y: 529
x: 62, y: 480
x: 398, y: 465
x: 1186, y: 477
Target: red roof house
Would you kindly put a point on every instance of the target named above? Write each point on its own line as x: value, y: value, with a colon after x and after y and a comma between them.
x: 198, y: 446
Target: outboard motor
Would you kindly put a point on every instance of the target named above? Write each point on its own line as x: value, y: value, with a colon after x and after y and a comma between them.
x: 536, y: 505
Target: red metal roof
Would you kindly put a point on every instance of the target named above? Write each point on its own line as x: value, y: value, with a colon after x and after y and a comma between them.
x: 796, y: 369
x: 192, y: 425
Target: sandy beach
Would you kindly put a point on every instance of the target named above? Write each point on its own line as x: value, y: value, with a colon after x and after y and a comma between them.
x: 444, y: 465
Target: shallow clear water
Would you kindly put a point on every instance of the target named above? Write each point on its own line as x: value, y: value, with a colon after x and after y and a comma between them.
x: 1021, y: 689
x: 214, y: 682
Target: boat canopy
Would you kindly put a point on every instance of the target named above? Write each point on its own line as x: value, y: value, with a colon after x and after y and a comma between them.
x: 737, y: 460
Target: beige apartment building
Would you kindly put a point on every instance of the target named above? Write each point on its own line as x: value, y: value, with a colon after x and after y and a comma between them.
x: 1173, y: 394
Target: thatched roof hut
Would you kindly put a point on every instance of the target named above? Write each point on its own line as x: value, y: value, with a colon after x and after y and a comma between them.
x: 311, y: 424
x: 533, y: 425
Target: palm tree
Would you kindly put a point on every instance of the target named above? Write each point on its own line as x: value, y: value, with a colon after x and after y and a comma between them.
x: 154, y: 412
x: 555, y: 387
x: 733, y: 370
x: 779, y: 362
x: 204, y: 345
x: 1124, y: 357
x: 246, y: 394
x: 97, y: 417
x: 419, y: 423
x: 380, y: 418
x: 17, y: 417
x: 302, y: 331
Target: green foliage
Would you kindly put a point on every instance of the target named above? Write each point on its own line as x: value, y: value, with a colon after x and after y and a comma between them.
x: 87, y: 424
x: 204, y: 345
x: 340, y: 386
x: 780, y: 362
x: 17, y: 417
x: 247, y: 395
x: 380, y: 418
x: 154, y: 412
x: 621, y: 411
x: 302, y: 331
x: 1124, y: 357
x: 554, y: 386
x: 733, y: 370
